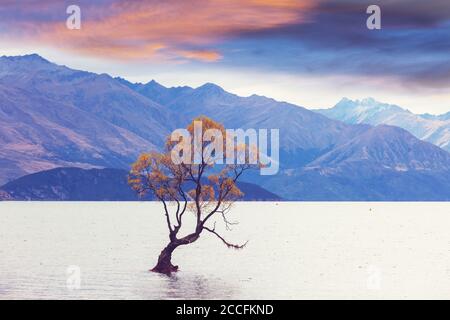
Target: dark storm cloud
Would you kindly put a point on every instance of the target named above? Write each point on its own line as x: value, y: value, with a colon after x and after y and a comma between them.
x: 413, y: 44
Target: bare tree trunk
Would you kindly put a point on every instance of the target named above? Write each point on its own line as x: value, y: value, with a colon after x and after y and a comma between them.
x: 164, y: 264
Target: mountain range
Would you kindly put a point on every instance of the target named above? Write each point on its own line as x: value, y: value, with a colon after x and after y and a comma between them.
x: 52, y: 116
x: 432, y: 128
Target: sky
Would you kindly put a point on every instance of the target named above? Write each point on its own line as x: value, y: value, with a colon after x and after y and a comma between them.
x: 308, y: 52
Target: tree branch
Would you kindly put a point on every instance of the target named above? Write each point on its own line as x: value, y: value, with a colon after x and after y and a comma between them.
x: 167, y: 215
x: 229, y: 245
x: 180, y: 190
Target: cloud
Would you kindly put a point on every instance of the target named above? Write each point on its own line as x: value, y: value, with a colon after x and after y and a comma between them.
x: 308, y: 37
x: 115, y: 28
x: 201, y: 55
x: 411, y: 49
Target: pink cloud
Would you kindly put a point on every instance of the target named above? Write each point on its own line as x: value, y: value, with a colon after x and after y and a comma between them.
x: 167, y: 29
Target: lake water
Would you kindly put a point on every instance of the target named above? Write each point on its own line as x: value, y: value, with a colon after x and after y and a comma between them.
x: 295, y: 251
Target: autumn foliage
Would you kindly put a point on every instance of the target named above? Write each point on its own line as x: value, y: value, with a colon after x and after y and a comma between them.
x: 204, y: 189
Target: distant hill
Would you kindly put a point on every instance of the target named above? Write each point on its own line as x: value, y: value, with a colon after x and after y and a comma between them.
x: 75, y: 184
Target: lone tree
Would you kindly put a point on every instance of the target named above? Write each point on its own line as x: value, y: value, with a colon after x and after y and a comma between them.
x: 201, y: 187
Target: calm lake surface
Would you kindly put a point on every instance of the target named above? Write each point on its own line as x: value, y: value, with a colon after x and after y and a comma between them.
x: 295, y: 251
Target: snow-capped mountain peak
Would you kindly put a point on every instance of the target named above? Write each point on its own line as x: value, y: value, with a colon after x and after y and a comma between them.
x: 434, y: 129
